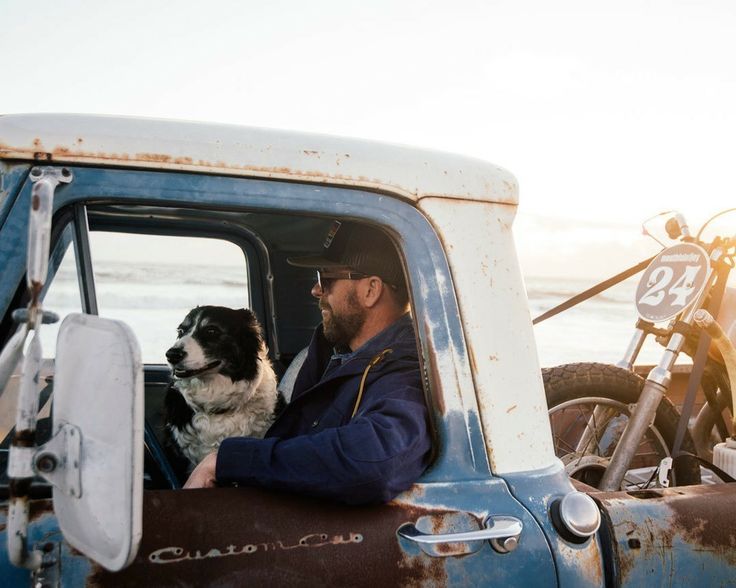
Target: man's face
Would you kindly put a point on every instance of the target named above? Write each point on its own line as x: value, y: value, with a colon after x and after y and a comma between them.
x: 342, y: 315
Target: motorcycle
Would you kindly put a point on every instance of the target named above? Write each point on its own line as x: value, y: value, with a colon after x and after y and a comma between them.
x: 615, y: 430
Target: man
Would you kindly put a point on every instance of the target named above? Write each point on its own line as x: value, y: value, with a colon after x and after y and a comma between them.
x: 356, y: 427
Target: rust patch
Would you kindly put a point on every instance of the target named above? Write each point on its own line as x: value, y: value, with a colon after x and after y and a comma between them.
x: 588, y: 560
x: 40, y: 508
x: 471, y: 358
x: 261, y: 537
x: 422, y: 572
x: 66, y: 154
x: 708, y: 522
x: 416, y: 492
x: 451, y: 549
x: 24, y: 438
x: 163, y: 158
x: 650, y: 545
x: 650, y: 528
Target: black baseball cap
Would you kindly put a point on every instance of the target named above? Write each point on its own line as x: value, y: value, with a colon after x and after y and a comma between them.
x: 358, y: 247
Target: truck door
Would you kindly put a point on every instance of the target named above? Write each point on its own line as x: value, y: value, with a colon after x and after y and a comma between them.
x: 234, y: 536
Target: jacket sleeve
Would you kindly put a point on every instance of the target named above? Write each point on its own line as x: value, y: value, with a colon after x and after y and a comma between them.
x: 378, y: 454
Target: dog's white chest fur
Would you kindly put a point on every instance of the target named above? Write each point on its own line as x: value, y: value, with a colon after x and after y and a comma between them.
x: 223, y: 408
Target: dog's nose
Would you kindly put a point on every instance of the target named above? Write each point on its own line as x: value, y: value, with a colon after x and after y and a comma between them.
x: 175, y: 355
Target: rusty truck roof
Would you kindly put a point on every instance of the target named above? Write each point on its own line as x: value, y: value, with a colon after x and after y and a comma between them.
x: 130, y: 142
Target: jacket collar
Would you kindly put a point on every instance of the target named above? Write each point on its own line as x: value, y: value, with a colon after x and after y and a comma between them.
x: 398, y: 335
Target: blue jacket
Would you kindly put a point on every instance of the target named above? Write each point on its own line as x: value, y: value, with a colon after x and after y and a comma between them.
x: 316, y: 448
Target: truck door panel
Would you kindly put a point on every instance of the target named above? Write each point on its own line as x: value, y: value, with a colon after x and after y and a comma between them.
x: 234, y: 536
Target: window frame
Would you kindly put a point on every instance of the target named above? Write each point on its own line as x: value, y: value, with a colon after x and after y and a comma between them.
x: 444, y: 357
x: 252, y: 258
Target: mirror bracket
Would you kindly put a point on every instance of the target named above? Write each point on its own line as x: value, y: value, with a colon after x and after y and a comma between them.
x: 58, y: 461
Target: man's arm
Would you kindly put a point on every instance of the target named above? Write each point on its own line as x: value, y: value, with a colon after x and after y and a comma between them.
x: 371, y: 459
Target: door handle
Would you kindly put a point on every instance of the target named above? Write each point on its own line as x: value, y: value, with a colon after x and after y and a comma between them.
x: 502, y: 532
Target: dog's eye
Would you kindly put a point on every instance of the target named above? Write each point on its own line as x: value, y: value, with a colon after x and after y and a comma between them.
x: 179, y: 332
x: 211, y: 330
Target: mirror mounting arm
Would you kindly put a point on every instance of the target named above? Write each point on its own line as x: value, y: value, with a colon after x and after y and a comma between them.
x: 45, y: 181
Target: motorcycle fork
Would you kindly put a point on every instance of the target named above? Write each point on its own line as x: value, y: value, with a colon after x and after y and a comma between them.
x: 645, y: 411
x: 633, y: 350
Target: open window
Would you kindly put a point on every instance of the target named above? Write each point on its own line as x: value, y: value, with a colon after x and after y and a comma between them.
x: 150, y: 265
x: 150, y: 282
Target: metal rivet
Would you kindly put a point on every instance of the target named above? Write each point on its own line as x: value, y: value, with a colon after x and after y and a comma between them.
x: 46, y: 463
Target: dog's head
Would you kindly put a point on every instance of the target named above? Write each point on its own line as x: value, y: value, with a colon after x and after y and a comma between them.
x: 217, y: 340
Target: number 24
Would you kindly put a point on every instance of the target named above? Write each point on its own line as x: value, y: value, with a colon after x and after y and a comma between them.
x: 681, y: 289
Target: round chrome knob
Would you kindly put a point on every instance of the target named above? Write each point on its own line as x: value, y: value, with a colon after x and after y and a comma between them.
x: 506, y: 545
x: 576, y: 516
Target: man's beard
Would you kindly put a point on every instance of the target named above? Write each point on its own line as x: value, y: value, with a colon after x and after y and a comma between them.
x: 341, y: 328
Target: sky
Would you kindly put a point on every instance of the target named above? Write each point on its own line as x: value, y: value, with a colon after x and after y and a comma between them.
x: 606, y: 113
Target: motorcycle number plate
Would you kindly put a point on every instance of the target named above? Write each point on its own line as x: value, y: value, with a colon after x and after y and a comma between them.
x: 674, y: 279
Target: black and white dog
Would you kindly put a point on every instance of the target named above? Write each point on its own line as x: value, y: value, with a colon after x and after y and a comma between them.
x: 223, y: 383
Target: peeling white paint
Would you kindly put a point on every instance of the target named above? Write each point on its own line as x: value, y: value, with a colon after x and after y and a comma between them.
x: 252, y: 152
x: 498, y: 331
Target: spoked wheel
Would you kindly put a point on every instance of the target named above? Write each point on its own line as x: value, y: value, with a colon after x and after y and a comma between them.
x: 586, y: 431
x: 589, y: 407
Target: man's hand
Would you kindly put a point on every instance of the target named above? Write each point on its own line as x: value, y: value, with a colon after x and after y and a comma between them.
x: 203, y: 475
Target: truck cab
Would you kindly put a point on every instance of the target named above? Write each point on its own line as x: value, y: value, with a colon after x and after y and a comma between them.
x: 160, y: 216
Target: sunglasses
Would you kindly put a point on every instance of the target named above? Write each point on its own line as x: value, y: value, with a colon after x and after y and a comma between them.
x: 326, y: 278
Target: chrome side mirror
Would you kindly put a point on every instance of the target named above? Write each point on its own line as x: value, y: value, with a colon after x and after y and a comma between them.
x: 95, y: 459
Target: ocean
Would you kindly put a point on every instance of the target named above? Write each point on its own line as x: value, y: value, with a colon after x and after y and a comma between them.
x: 598, y: 329
x: 154, y: 300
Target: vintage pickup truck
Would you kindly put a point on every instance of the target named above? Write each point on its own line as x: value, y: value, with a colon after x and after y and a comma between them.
x: 92, y: 497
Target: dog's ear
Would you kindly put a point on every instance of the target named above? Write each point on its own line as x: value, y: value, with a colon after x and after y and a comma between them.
x: 247, y: 316
x: 250, y: 343
x: 248, y: 322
